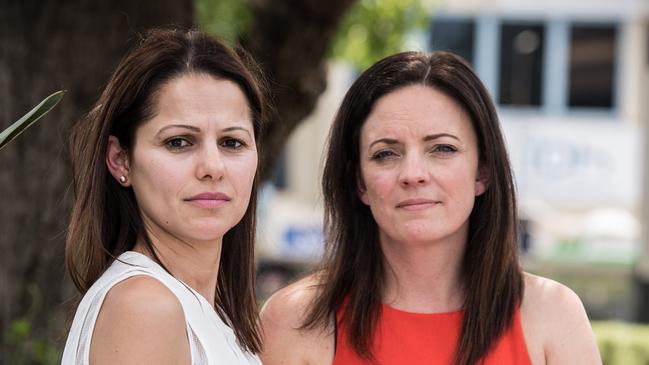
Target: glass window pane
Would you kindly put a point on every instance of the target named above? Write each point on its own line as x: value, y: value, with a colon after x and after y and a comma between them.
x: 592, y: 61
x: 454, y: 35
x: 521, y: 64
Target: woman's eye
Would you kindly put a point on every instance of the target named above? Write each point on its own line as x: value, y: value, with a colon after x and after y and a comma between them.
x: 177, y: 143
x: 444, y: 148
x: 232, y: 143
x: 382, y: 155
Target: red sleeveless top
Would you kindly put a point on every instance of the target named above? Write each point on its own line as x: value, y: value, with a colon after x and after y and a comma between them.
x: 423, y: 338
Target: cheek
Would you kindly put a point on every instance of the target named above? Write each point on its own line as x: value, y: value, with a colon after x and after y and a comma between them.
x: 158, y: 181
x: 378, y: 187
x: 460, y: 185
x: 243, y: 173
x: 163, y: 176
x: 380, y: 196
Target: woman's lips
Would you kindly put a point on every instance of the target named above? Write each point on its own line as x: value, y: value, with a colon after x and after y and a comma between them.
x: 417, y: 204
x: 209, y: 200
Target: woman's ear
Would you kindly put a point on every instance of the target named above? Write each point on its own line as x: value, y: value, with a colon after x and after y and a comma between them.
x: 117, y: 161
x: 482, y: 181
x: 361, y: 189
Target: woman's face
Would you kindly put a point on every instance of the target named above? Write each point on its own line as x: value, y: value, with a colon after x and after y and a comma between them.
x: 419, y: 170
x: 193, y: 164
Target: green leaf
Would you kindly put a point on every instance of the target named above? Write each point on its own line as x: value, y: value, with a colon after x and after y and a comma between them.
x: 18, y: 330
x: 30, y: 118
x: 374, y: 29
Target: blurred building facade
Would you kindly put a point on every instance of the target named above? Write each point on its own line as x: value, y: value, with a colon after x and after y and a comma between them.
x: 570, y: 79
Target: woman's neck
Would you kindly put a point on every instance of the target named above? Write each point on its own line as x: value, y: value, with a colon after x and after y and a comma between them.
x: 424, y: 278
x: 197, y: 265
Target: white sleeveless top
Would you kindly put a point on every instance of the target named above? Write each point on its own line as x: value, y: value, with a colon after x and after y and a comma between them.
x: 211, y: 341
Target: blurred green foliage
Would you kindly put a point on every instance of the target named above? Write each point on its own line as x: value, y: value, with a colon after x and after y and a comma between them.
x: 622, y: 343
x: 371, y: 30
x: 374, y: 29
x: 26, y: 346
x: 224, y: 18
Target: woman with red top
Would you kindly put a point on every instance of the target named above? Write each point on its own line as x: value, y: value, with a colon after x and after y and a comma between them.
x: 421, y: 264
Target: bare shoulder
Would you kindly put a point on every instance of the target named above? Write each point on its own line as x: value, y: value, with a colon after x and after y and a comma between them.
x: 555, y: 324
x: 290, y: 304
x: 140, y: 321
x: 540, y: 292
x: 282, y: 318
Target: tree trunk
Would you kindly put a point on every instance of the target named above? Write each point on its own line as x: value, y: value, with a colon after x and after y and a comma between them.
x: 290, y: 40
x: 46, y: 46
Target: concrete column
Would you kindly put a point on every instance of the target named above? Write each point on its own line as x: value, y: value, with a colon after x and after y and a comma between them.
x: 642, y: 267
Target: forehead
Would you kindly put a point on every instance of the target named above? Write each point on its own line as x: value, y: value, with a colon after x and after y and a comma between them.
x: 199, y: 90
x: 416, y: 109
x: 199, y: 99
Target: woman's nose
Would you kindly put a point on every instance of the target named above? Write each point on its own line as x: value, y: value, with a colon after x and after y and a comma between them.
x: 414, y: 171
x: 210, y: 164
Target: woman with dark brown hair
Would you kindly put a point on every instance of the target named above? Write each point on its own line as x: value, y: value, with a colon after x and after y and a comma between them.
x: 161, y: 238
x: 420, y: 227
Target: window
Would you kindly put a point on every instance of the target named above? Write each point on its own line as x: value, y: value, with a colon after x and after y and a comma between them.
x: 454, y: 35
x: 592, y: 64
x: 521, y: 64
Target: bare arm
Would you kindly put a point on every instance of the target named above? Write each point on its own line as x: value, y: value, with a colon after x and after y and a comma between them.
x: 140, y: 322
x: 556, y: 325
x: 284, y: 342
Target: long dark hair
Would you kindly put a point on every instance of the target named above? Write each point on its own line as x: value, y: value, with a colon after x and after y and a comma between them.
x: 105, y: 219
x: 352, y: 278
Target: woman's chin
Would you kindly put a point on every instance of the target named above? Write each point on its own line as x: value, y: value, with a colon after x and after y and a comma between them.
x: 420, y: 235
x: 208, y: 229
x: 205, y: 234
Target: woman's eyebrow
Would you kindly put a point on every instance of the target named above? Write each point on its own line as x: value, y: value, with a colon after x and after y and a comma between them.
x: 229, y: 129
x: 439, y: 135
x: 430, y: 137
x: 185, y: 126
x: 384, y: 140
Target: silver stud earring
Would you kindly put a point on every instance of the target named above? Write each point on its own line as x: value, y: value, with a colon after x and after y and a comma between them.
x: 122, y: 179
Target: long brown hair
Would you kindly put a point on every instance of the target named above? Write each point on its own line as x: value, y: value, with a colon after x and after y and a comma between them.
x: 352, y: 277
x: 106, y: 220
